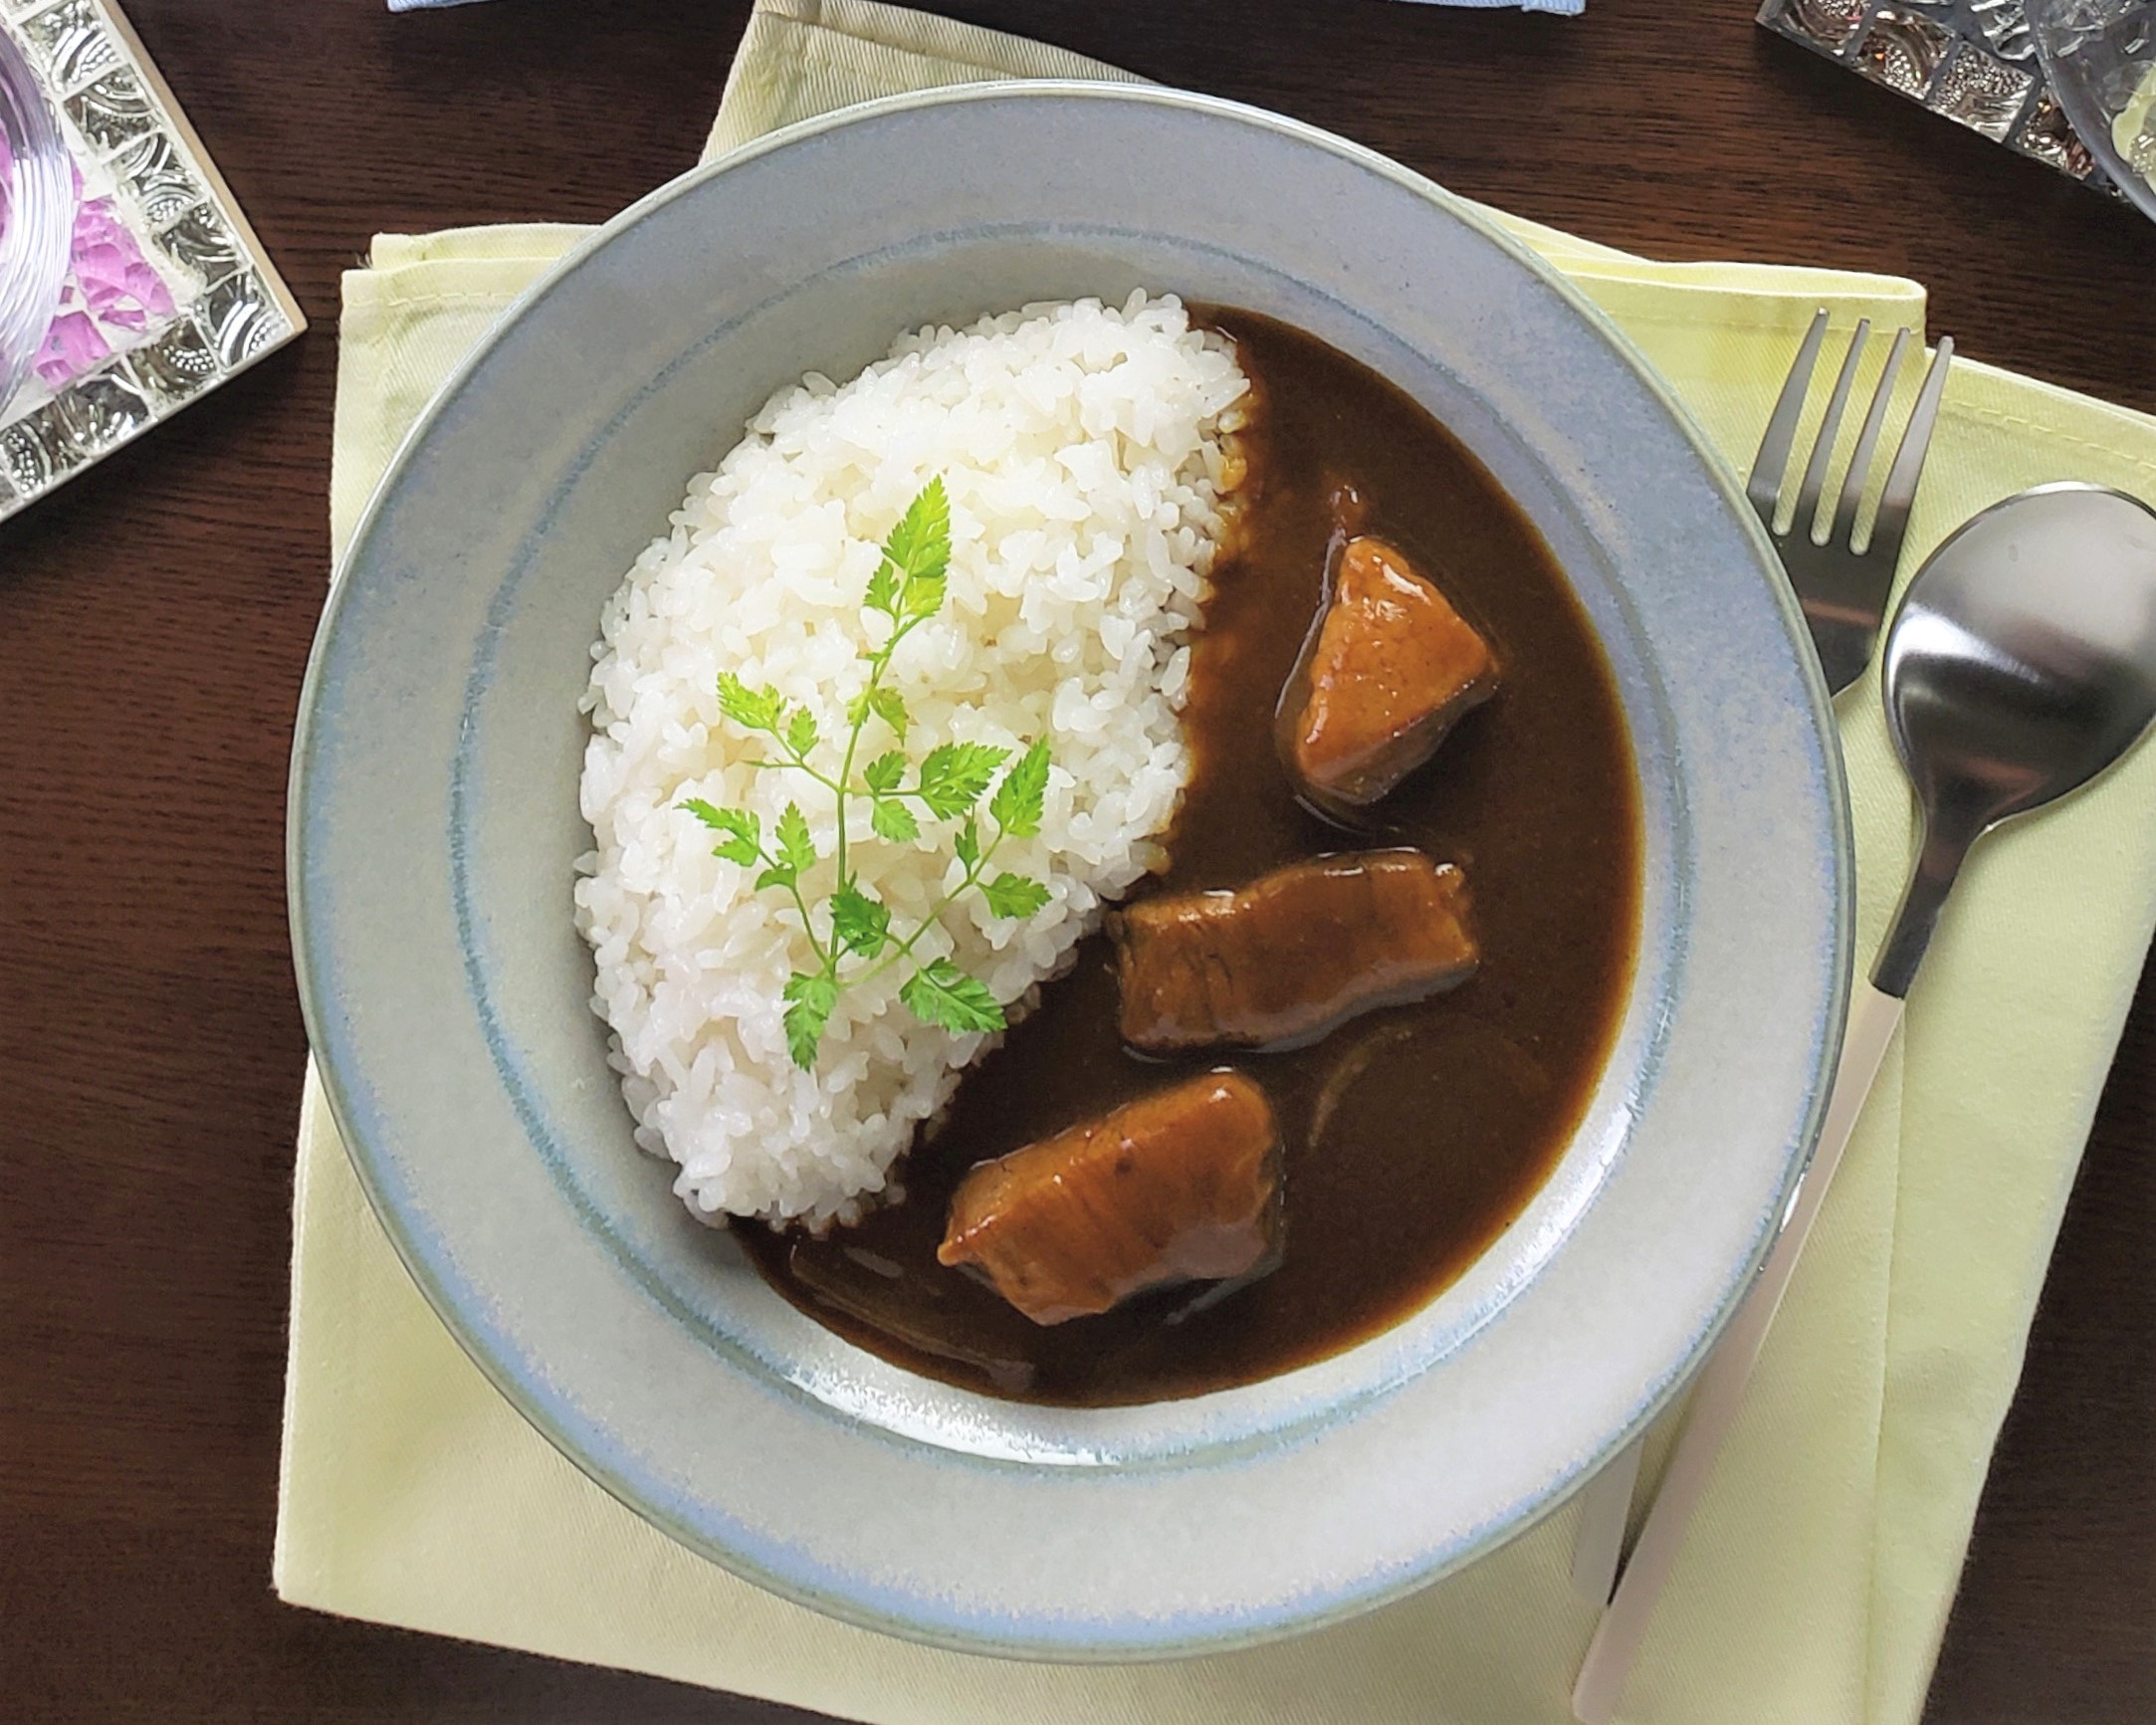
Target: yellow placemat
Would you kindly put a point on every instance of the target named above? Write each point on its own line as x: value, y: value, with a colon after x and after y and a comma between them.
x: 1816, y: 1579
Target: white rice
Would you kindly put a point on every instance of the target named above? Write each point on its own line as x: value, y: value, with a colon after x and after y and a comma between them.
x: 1081, y: 446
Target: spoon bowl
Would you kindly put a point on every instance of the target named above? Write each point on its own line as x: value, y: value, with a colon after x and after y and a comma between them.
x: 2021, y: 665
x: 2024, y: 660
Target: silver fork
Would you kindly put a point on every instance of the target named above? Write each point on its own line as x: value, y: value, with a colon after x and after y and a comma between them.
x: 1842, y: 587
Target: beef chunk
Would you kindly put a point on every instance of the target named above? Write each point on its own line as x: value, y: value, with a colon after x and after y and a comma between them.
x: 1390, y: 670
x: 1280, y: 962
x: 1179, y: 1185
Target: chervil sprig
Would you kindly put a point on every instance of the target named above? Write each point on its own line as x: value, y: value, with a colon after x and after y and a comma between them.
x: 854, y: 940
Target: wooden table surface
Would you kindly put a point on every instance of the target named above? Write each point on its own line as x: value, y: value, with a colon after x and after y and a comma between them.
x: 154, y: 620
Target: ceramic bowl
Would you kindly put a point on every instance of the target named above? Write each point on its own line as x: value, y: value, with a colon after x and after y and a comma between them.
x: 434, y: 822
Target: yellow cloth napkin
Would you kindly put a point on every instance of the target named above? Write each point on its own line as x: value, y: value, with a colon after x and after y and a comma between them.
x: 1816, y: 1579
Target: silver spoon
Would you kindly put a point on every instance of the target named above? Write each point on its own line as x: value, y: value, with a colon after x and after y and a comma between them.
x: 2021, y: 665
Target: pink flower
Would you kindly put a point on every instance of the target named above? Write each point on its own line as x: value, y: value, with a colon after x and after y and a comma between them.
x: 73, y: 345
x: 118, y: 284
x: 109, y: 286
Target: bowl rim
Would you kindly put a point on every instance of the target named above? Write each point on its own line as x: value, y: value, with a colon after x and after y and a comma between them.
x: 1382, y: 1589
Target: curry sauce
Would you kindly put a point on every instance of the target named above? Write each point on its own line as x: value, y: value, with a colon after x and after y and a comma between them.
x: 1411, y: 1136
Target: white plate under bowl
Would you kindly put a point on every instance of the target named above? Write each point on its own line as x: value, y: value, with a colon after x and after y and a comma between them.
x: 434, y: 821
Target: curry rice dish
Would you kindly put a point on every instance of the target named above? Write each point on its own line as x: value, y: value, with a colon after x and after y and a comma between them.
x: 1274, y: 1068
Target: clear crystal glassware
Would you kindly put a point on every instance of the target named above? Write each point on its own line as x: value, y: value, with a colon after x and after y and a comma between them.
x: 37, y: 216
x: 2101, y: 56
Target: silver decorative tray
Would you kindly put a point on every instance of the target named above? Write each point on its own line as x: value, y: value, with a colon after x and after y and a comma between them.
x: 171, y: 292
x: 1972, y: 61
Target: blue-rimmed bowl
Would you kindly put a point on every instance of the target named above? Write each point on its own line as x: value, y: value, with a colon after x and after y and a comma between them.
x: 434, y: 822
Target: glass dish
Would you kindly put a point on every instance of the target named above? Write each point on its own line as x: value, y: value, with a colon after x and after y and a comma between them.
x: 37, y: 214
x: 2101, y: 56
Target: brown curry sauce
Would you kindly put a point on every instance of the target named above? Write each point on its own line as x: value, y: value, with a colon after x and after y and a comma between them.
x: 1413, y: 1135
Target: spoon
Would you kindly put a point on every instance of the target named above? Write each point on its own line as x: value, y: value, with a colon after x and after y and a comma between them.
x: 2021, y: 665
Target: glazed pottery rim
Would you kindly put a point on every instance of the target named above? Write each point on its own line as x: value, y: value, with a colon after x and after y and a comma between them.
x: 508, y: 1376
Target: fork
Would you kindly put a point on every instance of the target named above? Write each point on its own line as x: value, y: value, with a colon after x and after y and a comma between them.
x: 1842, y: 589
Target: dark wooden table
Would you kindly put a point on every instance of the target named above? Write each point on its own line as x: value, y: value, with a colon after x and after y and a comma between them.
x: 154, y: 619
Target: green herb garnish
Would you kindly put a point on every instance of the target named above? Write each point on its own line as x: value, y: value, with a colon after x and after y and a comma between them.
x: 947, y: 784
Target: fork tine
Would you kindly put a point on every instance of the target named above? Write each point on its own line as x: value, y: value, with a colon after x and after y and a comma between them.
x: 1823, y: 446
x: 1893, y: 520
x: 1842, y: 531
x: 1764, y: 487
